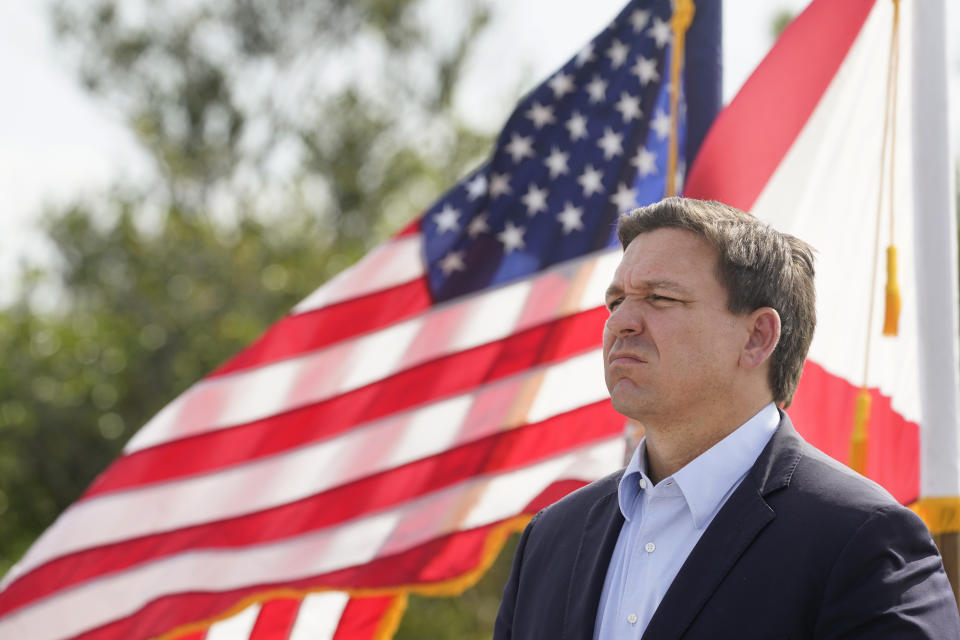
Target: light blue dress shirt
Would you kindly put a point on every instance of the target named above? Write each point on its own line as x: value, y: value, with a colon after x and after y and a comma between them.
x: 665, y: 521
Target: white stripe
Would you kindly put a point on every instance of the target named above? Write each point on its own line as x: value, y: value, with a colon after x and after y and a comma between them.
x: 260, y: 393
x: 825, y: 192
x: 568, y: 385
x: 312, y: 469
x: 936, y: 250
x: 376, y: 356
x: 493, y: 315
x: 480, y: 500
x: 393, y: 263
x: 501, y: 494
x: 605, y: 266
x: 427, y: 432
x: 238, y: 627
x: 319, y: 616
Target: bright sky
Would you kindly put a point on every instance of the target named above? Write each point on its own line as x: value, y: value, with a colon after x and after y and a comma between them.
x: 56, y: 143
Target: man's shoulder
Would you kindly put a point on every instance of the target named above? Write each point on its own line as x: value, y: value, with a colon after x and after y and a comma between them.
x: 829, y: 490
x: 578, y: 503
x: 819, y: 474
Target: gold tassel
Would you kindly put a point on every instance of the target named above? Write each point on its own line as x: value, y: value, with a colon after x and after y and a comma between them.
x: 859, y: 439
x: 891, y: 313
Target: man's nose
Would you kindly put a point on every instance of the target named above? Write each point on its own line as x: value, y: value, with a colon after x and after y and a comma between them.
x: 625, y: 319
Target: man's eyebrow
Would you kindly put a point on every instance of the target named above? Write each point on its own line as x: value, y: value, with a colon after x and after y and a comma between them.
x: 669, y: 285
x: 615, y: 290
x: 612, y: 291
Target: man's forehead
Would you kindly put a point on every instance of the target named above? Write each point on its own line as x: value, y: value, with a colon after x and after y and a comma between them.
x: 666, y: 258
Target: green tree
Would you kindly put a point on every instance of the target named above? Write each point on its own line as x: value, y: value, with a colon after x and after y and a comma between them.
x: 285, y: 139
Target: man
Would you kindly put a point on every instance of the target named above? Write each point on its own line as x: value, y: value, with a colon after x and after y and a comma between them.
x: 725, y: 523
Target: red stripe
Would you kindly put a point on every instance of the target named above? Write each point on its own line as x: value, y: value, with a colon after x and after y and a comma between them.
x: 749, y: 138
x: 275, y: 620
x: 823, y: 410
x: 497, y: 453
x: 452, y: 374
x: 410, y: 229
x: 361, y: 618
x: 297, y: 334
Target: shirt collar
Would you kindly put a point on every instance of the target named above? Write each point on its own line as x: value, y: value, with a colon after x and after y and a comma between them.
x: 711, y: 476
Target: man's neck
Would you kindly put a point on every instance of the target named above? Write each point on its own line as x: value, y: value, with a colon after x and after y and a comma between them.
x: 672, y: 446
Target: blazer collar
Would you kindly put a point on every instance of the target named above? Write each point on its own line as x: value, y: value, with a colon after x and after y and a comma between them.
x: 597, y: 541
x: 734, y: 528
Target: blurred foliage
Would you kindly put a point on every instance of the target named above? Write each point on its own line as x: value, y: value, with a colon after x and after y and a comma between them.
x: 285, y: 138
x: 148, y: 314
x: 469, y: 617
x: 780, y: 21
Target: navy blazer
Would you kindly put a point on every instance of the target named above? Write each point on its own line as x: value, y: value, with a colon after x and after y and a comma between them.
x: 804, y: 548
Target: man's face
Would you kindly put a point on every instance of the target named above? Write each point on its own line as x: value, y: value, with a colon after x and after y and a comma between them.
x: 670, y: 346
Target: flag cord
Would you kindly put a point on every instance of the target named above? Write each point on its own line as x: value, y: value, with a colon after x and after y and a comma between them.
x: 892, y: 307
x: 682, y: 17
x: 859, y: 437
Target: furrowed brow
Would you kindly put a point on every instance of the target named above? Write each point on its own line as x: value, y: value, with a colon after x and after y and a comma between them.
x: 613, y: 291
x: 668, y: 285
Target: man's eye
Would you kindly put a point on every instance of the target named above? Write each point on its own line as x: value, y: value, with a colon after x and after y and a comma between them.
x: 658, y: 298
x: 613, y: 304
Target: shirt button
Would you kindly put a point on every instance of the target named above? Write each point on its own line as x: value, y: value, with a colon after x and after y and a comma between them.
x: 632, y: 618
x: 643, y: 483
x: 650, y: 547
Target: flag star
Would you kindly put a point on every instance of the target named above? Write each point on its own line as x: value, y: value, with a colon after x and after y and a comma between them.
x: 597, y: 89
x: 570, y: 218
x: 639, y: 19
x: 499, y: 184
x: 645, y: 161
x: 451, y: 262
x: 617, y: 54
x: 646, y: 70
x: 628, y: 106
x: 447, y: 219
x: 512, y: 237
x: 535, y: 200
x: 591, y: 180
x: 477, y: 187
x: 660, y: 32
x: 585, y: 55
x: 478, y: 225
x: 541, y: 115
x: 577, y: 126
x: 561, y: 84
x: 520, y: 147
x: 611, y: 143
x: 557, y: 162
x: 661, y: 124
x: 625, y: 198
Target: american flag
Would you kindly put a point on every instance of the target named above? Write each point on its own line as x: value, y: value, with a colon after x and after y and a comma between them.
x: 394, y: 428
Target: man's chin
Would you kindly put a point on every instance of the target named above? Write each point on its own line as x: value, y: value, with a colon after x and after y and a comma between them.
x: 632, y: 405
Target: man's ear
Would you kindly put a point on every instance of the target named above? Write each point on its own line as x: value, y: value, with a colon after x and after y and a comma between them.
x: 764, y: 327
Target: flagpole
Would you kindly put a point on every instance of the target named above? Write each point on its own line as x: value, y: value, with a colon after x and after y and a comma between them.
x: 936, y: 250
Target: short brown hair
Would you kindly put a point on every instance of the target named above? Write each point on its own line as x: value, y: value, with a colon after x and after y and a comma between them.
x: 759, y: 267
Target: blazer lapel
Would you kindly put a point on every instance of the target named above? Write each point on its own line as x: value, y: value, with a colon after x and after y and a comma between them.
x: 599, y: 538
x: 730, y: 534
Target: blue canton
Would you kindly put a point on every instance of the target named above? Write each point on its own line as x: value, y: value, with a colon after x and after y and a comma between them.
x: 584, y: 146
